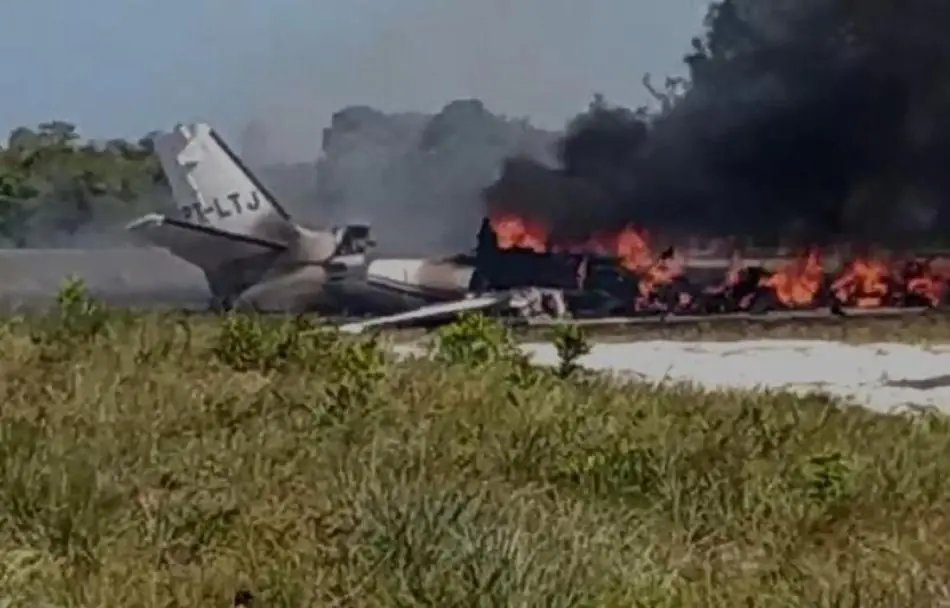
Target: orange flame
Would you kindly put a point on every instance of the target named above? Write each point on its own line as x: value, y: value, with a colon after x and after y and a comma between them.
x: 863, y: 282
x: 797, y: 283
x: 516, y: 233
x: 925, y: 283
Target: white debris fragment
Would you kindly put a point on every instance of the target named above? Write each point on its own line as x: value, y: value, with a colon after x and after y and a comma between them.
x: 883, y: 376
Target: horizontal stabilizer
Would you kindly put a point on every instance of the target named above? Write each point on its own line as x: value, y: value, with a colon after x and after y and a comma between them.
x: 433, y: 312
x: 202, y: 245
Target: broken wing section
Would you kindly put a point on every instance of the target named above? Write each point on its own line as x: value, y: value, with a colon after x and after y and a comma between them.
x: 438, y: 312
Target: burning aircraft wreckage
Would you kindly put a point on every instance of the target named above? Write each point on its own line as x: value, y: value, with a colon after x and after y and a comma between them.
x: 626, y: 274
x: 256, y: 257
x: 622, y: 279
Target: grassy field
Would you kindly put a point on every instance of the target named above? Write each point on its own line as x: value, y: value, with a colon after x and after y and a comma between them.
x: 155, y: 461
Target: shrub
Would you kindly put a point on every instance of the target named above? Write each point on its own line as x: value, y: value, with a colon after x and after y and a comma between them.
x: 572, y: 344
x: 247, y: 342
x: 474, y: 340
x: 75, y: 321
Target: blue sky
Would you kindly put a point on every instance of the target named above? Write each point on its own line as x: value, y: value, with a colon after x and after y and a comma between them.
x: 125, y: 67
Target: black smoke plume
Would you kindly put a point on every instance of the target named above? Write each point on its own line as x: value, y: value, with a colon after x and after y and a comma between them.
x: 807, y: 120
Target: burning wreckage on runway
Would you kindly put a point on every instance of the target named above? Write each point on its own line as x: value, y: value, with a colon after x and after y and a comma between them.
x: 519, y: 273
x: 622, y: 274
x: 255, y: 257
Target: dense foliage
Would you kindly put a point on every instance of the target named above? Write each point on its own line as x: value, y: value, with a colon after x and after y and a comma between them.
x: 52, y: 182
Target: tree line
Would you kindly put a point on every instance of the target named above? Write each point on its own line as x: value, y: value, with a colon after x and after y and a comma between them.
x: 54, y: 181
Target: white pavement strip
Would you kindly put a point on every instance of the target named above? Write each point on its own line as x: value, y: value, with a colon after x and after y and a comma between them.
x: 883, y: 377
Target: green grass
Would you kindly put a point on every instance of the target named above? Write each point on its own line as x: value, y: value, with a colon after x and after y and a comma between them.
x: 152, y: 461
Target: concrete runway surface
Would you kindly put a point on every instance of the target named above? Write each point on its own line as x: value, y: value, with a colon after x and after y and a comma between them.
x: 133, y: 276
x: 884, y: 377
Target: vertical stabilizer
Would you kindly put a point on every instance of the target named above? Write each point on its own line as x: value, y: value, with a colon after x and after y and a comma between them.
x: 212, y: 187
x: 231, y: 227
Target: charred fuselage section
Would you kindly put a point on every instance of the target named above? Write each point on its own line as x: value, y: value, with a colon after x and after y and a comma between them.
x: 626, y: 277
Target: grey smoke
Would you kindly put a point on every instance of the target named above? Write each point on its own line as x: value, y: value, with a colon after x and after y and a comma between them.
x: 416, y: 178
x: 541, y: 59
x: 90, y: 222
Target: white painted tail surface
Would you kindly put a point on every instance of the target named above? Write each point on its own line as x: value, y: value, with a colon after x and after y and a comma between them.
x: 226, y: 222
x: 212, y: 187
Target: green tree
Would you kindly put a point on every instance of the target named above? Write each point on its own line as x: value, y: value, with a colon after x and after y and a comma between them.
x: 52, y: 180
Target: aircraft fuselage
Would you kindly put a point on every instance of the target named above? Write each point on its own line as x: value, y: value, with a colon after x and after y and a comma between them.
x: 387, y: 286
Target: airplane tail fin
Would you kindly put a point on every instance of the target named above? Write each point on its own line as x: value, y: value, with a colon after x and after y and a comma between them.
x: 212, y: 187
x: 226, y: 222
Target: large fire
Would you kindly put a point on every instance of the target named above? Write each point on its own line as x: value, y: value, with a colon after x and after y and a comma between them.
x: 800, y: 282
